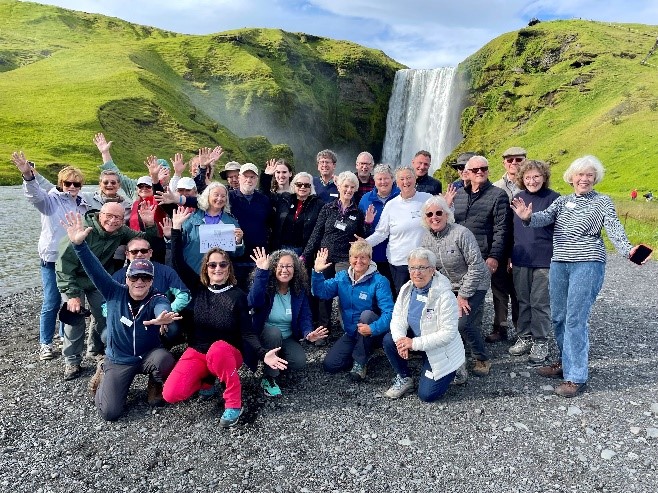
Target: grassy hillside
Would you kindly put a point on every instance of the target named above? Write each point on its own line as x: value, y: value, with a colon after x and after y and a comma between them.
x: 563, y: 89
x: 72, y: 74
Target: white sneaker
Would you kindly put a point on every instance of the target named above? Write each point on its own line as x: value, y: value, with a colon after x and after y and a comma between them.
x: 522, y: 346
x: 46, y: 352
x: 400, y: 387
x: 538, y: 353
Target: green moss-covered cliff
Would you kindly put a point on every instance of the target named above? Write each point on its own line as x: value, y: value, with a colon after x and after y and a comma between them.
x: 259, y: 93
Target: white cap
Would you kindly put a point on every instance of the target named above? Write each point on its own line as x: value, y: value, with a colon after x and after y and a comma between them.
x: 145, y: 180
x: 186, y: 183
x: 248, y: 167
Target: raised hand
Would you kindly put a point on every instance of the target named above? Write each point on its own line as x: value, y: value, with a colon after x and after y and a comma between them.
x: 321, y: 260
x: 147, y: 213
x: 103, y: 146
x: 216, y: 153
x: 75, y: 227
x: 523, y: 211
x: 154, y: 168
x: 165, y: 318
x: 317, y: 334
x: 205, y: 156
x: 450, y: 194
x: 178, y: 164
x: 273, y: 361
x: 370, y: 214
x: 167, y: 197
x: 179, y: 216
x: 261, y: 258
x: 166, y: 225
x: 270, y: 167
x: 18, y: 158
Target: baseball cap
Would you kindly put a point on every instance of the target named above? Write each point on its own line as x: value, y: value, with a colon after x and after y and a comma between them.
x: 140, y: 266
x: 230, y: 166
x: 145, y: 180
x: 186, y: 183
x: 462, y: 159
x: 163, y: 163
x: 248, y: 167
x: 515, y: 151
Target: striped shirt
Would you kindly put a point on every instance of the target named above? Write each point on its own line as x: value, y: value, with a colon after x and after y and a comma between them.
x: 579, y: 220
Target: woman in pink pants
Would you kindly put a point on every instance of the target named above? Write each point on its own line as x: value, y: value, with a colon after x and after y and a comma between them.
x: 222, y: 330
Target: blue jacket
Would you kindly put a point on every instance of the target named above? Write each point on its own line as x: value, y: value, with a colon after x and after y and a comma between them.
x: 192, y: 242
x: 326, y: 193
x: 371, y: 292
x: 128, y: 339
x: 261, y: 303
x: 379, y: 251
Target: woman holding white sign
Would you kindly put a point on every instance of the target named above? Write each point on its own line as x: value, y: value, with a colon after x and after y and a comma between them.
x: 210, y: 227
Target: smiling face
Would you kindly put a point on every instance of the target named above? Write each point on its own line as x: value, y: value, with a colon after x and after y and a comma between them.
x: 436, y: 218
x: 216, y: 200
x: 364, y: 166
x: 109, y: 184
x: 421, y: 165
x: 139, y: 286
x: 512, y: 164
x: 326, y: 167
x: 406, y: 182
x: 285, y: 269
x: 111, y: 217
x: 144, y: 190
x: 218, y: 268
x: 384, y: 184
x: 359, y: 263
x: 301, y: 190
x: 583, y: 181
x: 248, y: 181
x: 477, y: 171
x: 138, y: 248
x: 533, y: 179
x: 420, y: 272
x: 346, y: 190
x: 282, y: 176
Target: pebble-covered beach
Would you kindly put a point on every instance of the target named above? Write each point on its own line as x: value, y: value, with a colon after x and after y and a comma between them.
x: 504, y: 433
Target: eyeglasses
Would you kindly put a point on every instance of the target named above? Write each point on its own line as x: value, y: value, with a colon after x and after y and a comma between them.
x: 511, y: 160
x: 143, y: 185
x: 140, y: 277
x: 437, y: 214
x: 222, y: 265
x: 475, y: 171
x: 299, y: 184
x: 75, y: 184
x: 285, y: 267
x: 113, y: 217
x: 139, y: 250
x: 420, y: 268
x: 364, y: 164
x: 109, y: 182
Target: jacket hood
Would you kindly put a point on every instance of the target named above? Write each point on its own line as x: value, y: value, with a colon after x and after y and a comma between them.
x: 372, y: 268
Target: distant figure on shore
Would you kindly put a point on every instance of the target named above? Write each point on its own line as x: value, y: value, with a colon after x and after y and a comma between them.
x: 648, y: 196
x: 634, y: 194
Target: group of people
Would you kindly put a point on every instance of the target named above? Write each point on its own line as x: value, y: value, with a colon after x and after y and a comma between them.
x: 245, y: 271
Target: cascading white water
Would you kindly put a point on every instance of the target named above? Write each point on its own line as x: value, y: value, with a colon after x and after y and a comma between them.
x: 421, y: 115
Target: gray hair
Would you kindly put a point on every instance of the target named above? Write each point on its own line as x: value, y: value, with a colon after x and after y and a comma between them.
x: 301, y: 174
x: 203, y: 200
x: 404, y: 168
x: 441, y: 203
x: 347, y: 175
x: 368, y: 155
x: 421, y: 253
x: 327, y: 153
x: 475, y: 159
x: 383, y: 168
x: 584, y: 163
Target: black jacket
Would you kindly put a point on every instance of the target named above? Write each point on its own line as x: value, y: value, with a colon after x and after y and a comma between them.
x: 428, y: 184
x: 487, y: 214
x: 335, y: 231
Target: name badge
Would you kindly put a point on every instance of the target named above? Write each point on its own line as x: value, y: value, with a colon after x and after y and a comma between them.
x: 125, y: 321
x: 363, y: 296
x: 333, y: 195
x: 353, y: 218
x: 422, y: 298
x: 288, y: 311
x: 340, y: 225
x: 570, y: 205
x: 292, y: 206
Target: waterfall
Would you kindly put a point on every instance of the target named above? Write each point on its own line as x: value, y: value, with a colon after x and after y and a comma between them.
x: 423, y: 113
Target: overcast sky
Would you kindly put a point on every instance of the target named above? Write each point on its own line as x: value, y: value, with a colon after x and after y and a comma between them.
x: 417, y: 33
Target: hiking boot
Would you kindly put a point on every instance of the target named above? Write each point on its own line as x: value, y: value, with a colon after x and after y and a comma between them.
x: 46, y: 352
x: 72, y: 371
x: 230, y: 417
x: 498, y: 334
x: 270, y: 387
x: 401, y: 385
x: 154, y: 394
x: 481, y: 368
x: 523, y: 345
x: 461, y: 375
x: 358, y: 372
x: 538, y: 353
x: 551, y: 371
x: 569, y: 389
x: 95, y: 381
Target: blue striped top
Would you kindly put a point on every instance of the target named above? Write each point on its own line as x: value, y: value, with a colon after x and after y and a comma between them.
x: 579, y: 220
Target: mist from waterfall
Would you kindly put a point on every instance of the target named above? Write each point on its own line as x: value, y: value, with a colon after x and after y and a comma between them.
x: 423, y: 113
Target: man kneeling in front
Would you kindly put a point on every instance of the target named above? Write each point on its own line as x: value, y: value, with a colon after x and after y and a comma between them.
x: 136, y: 314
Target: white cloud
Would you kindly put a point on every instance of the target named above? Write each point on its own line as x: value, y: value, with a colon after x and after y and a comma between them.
x: 418, y: 33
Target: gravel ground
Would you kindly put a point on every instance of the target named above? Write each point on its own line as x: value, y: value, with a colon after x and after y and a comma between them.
x: 506, y: 432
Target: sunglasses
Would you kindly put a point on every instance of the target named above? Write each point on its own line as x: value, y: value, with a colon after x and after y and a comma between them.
x: 75, y: 184
x: 484, y: 169
x: 223, y: 264
x: 460, y: 167
x: 139, y: 250
x: 143, y: 185
x: 302, y: 185
x: 437, y: 214
x: 140, y: 277
x: 511, y: 160
x: 109, y: 182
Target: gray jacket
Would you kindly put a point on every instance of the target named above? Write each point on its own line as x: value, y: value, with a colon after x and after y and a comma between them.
x: 458, y: 258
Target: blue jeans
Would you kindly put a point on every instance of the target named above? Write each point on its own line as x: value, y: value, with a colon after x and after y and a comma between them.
x: 470, y: 326
x: 429, y: 390
x: 51, y: 303
x: 351, y: 348
x: 573, y: 287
